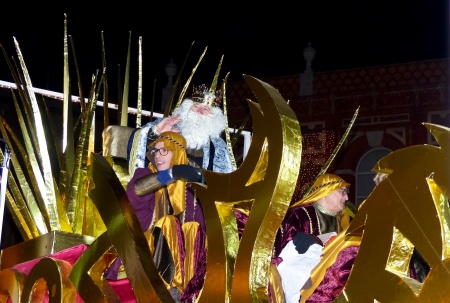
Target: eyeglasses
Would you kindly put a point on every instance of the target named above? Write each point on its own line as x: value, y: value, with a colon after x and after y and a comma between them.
x: 162, y: 151
x: 343, y: 191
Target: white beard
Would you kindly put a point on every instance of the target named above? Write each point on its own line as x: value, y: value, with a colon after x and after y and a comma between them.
x: 197, y: 128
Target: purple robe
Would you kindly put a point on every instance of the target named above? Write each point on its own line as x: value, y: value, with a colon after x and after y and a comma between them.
x: 145, y: 205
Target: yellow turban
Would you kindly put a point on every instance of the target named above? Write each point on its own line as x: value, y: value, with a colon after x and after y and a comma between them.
x: 324, y: 185
x: 176, y: 143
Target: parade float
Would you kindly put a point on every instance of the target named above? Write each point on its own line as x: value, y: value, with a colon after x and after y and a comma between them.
x: 75, y: 219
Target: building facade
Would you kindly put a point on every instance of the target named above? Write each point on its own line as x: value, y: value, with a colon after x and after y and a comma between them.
x: 392, y: 103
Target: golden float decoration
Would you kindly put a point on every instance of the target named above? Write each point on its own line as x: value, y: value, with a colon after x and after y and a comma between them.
x: 87, y: 213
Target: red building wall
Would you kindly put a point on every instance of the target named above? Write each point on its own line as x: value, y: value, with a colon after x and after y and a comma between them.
x: 393, y: 103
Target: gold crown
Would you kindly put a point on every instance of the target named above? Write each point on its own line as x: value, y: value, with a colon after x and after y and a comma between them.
x: 203, y: 94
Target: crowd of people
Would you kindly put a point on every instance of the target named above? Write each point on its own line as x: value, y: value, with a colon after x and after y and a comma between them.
x: 170, y: 153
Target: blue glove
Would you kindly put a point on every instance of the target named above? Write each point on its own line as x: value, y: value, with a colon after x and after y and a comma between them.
x: 164, y: 177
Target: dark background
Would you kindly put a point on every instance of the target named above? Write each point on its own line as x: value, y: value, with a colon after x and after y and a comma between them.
x: 265, y: 39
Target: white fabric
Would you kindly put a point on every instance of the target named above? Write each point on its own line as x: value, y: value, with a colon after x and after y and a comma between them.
x: 296, y: 268
x: 325, y: 237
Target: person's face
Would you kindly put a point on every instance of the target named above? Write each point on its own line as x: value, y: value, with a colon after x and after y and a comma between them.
x: 335, y: 202
x: 201, y: 108
x: 161, y: 156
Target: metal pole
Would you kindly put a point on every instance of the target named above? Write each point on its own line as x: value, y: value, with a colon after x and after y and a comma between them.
x: 4, y: 181
x: 60, y: 96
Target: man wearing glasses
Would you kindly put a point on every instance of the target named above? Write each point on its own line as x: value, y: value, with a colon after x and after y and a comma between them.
x: 170, y: 216
x: 306, y: 228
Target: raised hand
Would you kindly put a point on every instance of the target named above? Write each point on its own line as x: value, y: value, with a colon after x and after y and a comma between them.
x: 166, y: 124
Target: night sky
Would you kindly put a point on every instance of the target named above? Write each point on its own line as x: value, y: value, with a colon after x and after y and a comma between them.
x: 263, y: 40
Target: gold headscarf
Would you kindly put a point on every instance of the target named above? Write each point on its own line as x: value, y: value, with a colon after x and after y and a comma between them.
x: 324, y: 185
x: 176, y: 143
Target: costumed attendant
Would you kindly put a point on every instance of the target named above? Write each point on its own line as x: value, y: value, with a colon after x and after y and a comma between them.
x: 330, y: 276
x: 168, y: 212
x: 307, y: 226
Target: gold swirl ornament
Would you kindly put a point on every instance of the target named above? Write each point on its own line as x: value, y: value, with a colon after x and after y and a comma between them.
x: 238, y: 271
x: 408, y: 209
